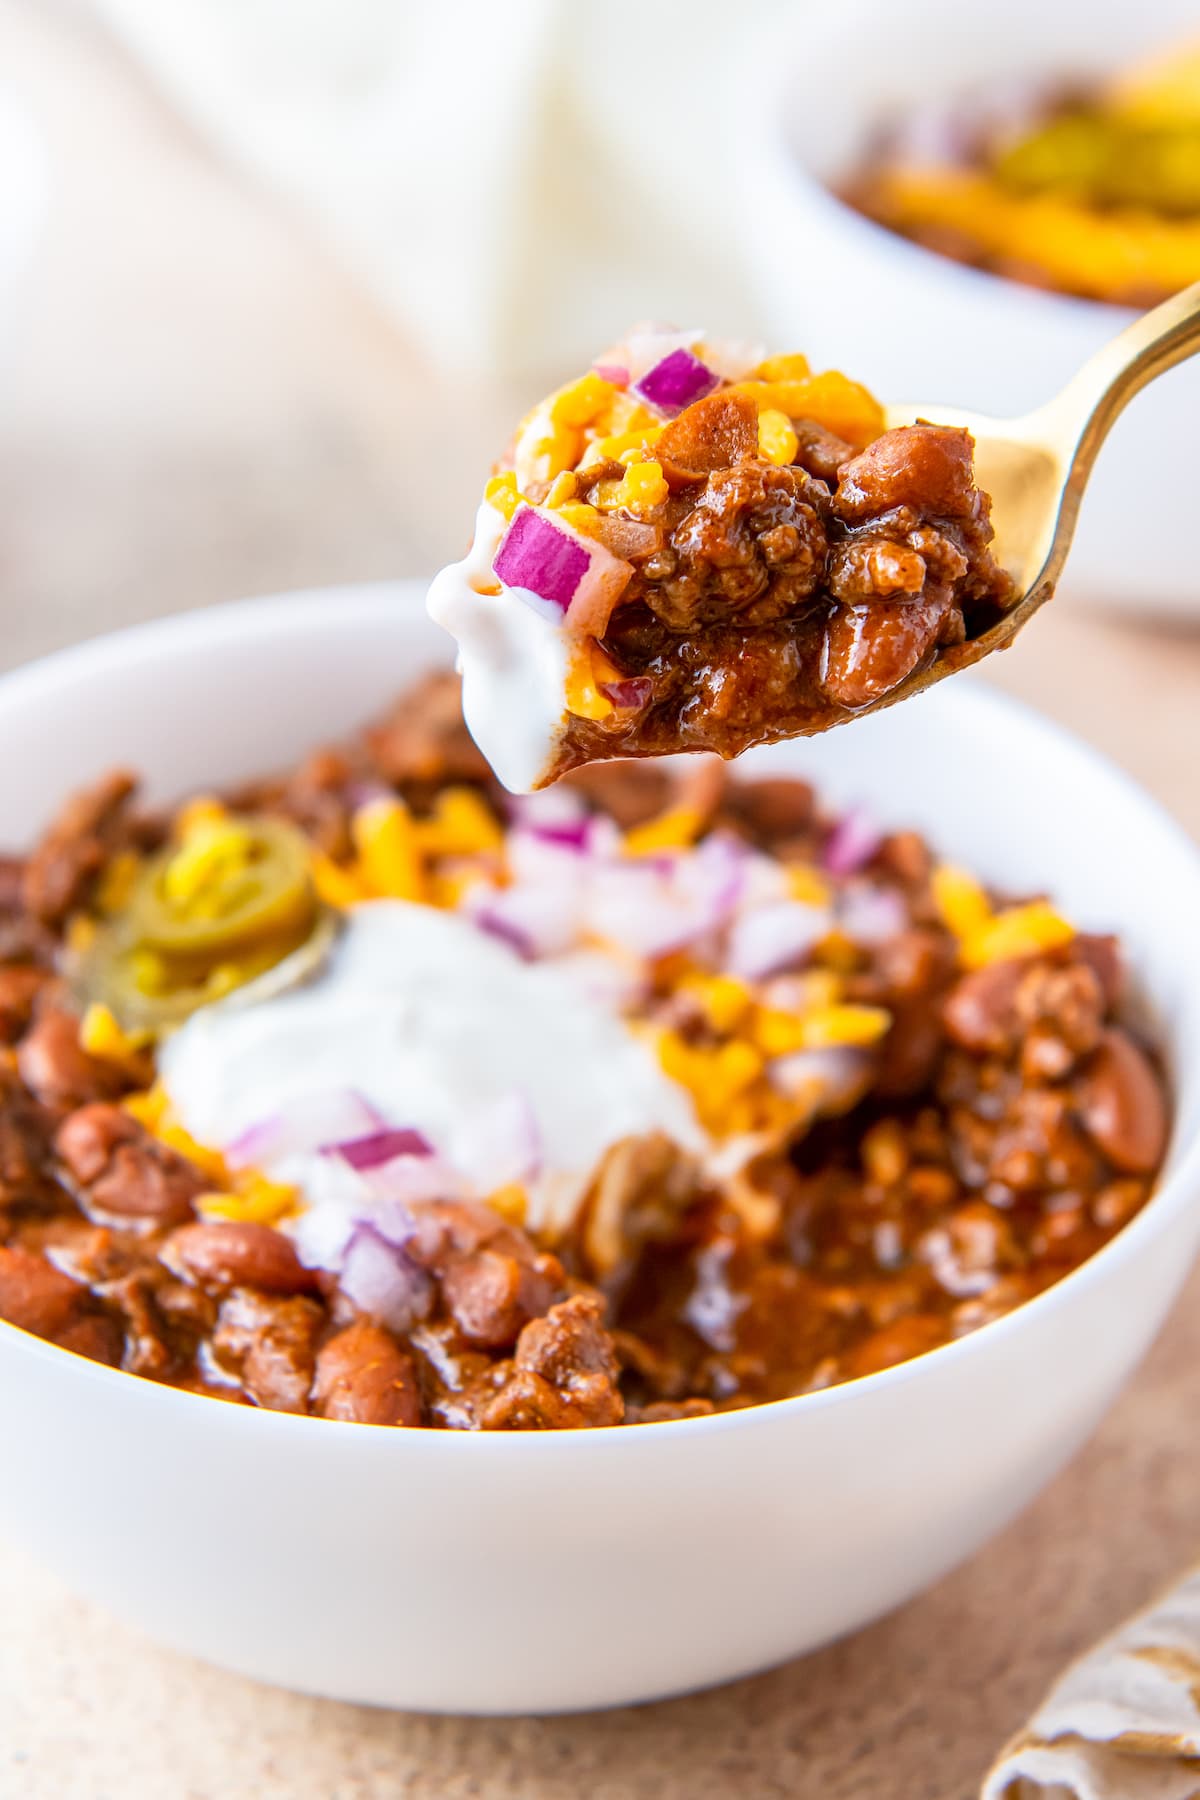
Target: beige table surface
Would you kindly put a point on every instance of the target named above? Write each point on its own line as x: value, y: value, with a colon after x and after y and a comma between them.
x: 193, y: 406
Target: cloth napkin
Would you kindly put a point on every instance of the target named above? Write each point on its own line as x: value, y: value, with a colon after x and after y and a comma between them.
x: 517, y: 180
x: 1123, y: 1723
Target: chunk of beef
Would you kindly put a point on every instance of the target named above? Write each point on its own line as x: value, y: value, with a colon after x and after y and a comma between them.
x: 20, y: 984
x: 752, y: 549
x: 563, y: 1375
x: 423, y: 740
x: 37, y: 1296
x: 59, y: 874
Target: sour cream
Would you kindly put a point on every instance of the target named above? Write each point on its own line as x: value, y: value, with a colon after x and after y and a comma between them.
x: 435, y: 1024
x: 514, y: 661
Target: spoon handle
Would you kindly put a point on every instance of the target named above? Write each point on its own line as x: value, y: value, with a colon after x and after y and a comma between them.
x: 1079, y: 418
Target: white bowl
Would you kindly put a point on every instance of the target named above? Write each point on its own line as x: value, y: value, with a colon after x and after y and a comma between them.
x: 531, y: 1573
x: 917, y: 326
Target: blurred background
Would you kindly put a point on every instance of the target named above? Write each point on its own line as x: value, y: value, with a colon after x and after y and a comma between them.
x: 277, y: 276
x: 276, y: 279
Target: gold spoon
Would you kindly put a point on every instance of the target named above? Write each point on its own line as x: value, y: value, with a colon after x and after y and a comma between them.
x: 1036, y: 468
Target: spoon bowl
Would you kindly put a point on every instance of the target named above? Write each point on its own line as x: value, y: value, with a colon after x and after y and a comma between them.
x: 1036, y: 469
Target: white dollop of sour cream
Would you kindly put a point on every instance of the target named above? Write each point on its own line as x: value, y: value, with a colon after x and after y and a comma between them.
x: 514, y: 661
x: 431, y: 1021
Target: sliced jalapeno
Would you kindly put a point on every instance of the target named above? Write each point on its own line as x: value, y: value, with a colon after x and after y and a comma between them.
x: 230, y: 882
x: 231, y: 906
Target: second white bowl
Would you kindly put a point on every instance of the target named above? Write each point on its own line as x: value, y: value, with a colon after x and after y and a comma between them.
x: 917, y: 326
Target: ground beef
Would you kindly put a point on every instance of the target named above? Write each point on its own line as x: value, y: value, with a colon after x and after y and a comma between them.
x: 1012, y: 1121
x: 751, y: 548
x: 59, y: 874
x: 775, y: 599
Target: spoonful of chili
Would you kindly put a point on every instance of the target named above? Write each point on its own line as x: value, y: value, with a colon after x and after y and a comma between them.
x: 692, y: 548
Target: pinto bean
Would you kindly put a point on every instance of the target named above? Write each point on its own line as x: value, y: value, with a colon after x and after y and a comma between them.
x: 493, y: 1277
x: 872, y: 646
x: 364, y: 1376
x: 1121, y: 1104
x: 492, y: 1295
x: 35, y: 1295
x: 218, y: 1257
x: 54, y: 1064
x: 123, y: 1170
x: 929, y: 467
x: 1102, y: 954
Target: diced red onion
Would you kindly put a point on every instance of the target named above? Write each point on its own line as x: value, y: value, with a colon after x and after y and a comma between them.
x: 500, y: 1142
x: 532, y: 921
x: 559, y: 858
x: 608, y: 979
x: 732, y: 359
x: 557, y: 805
x: 318, y: 1119
x: 362, y: 793
x: 678, y: 380
x: 648, y: 343
x: 656, y: 905
x: 326, y: 1226
x: 565, y: 577
x: 870, y: 915
x: 630, y: 695
x: 408, y: 1180
x: 717, y: 873
x: 539, y: 558
x: 852, y: 843
x: 381, y: 1281
x: 489, y: 919
x: 774, y: 937
x: 379, y: 1147
x: 635, y: 908
x: 571, y: 836
x: 612, y: 372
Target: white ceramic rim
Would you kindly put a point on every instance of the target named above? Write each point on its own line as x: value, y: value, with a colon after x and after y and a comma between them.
x: 246, y: 618
x: 855, y: 223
